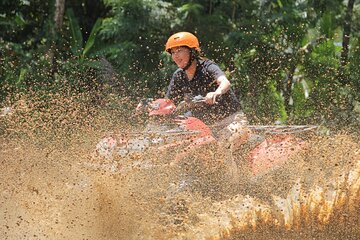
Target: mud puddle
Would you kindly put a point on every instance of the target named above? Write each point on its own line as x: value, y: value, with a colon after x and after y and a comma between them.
x: 48, y: 191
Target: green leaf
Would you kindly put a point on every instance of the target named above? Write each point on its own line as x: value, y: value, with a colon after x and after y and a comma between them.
x: 19, y: 20
x: 76, y: 35
x: 327, y: 24
x: 5, y: 23
x: 90, y: 42
x: 191, y: 8
x: 21, y: 77
x: 93, y: 64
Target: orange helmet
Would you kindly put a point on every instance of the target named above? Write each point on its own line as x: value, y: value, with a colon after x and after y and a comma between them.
x: 182, y: 39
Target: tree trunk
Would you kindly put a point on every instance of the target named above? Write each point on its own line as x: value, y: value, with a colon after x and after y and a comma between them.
x: 346, y: 33
x: 59, y: 14
x: 58, y: 19
x: 233, y: 11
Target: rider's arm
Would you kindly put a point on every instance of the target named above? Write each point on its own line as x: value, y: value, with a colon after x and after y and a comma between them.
x: 223, y: 86
x: 219, y: 78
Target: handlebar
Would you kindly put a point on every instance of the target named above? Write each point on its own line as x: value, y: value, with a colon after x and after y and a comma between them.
x: 190, y: 103
x: 196, y: 99
x: 184, y: 107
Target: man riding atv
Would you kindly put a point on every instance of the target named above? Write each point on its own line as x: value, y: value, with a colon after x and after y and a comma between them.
x: 197, y: 75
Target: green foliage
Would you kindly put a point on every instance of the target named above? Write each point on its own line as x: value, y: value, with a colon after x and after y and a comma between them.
x: 282, y: 57
x: 76, y: 36
x: 327, y: 25
x: 354, y: 70
x: 77, y: 45
x: 303, y: 111
x: 271, y: 106
x: 139, y: 28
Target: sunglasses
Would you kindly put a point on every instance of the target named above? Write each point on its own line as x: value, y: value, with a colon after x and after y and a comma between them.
x: 177, y: 51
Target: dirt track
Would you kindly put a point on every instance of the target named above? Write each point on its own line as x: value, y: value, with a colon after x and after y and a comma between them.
x: 47, y: 192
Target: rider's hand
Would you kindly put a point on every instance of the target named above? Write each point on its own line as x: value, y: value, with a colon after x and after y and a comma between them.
x: 211, y: 97
x: 143, y: 106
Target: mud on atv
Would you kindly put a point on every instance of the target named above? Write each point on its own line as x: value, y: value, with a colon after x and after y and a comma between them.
x: 214, y: 161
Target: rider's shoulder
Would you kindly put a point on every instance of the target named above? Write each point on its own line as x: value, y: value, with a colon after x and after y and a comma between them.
x: 206, y: 63
x: 178, y: 74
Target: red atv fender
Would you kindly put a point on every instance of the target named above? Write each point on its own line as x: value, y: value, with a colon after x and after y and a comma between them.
x: 273, y: 152
x: 194, y: 124
x: 193, y: 134
x: 204, y: 136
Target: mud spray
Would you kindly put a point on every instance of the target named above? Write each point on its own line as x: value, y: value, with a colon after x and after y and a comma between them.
x: 51, y: 186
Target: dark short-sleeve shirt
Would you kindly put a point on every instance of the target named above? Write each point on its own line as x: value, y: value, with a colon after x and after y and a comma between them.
x: 203, y: 82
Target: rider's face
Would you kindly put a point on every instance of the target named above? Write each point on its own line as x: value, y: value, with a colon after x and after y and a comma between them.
x: 180, y: 56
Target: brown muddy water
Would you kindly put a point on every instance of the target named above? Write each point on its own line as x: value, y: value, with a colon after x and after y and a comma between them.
x: 51, y: 187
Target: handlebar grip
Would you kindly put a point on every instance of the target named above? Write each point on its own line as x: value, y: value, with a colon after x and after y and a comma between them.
x: 198, y: 98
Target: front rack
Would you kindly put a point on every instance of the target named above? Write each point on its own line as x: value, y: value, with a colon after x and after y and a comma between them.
x: 282, y: 129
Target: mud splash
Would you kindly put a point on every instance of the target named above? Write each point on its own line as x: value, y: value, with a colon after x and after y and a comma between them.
x: 318, y: 213
x: 47, y: 192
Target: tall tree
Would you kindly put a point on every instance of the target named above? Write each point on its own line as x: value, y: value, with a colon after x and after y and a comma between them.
x: 347, y: 32
x: 58, y: 20
x: 59, y: 14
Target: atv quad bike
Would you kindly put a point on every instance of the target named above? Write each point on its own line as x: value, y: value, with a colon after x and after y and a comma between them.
x: 196, y: 160
x: 168, y: 131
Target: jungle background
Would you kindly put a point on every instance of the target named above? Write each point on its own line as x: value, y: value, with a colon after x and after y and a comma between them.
x: 71, y: 71
x: 290, y: 61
